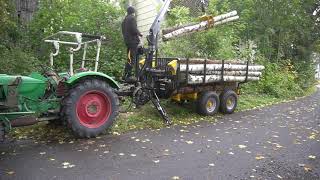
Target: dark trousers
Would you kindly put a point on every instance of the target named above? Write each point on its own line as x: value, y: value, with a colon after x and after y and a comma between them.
x: 132, y: 61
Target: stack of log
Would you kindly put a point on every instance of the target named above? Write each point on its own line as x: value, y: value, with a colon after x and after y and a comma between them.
x: 208, y: 22
x: 212, y: 72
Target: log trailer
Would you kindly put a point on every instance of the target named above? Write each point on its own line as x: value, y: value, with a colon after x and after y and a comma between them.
x: 87, y: 101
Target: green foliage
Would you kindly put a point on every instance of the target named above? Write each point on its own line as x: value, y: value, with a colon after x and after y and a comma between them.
x: 178, y: 16
x: 15, y: 57
x: 8, y: 26
x: 280, y: 81
x: 16, y: 61
x: 88, y: 16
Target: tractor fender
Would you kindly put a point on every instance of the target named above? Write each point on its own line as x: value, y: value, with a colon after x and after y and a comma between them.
x: 90, y: 74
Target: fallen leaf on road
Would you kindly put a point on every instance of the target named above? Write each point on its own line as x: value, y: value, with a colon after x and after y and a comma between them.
x: 121, y: 154
x: 133, y: 155
x: 10, y: 172
x: 231, y: 153
x: 278, y: 146
x: 156, y: 161
x: 175, y: 178
x: 312, y: 136
x: 307, y: 168
x: 42, y: 153
x: 212, y: 165
x: 242, y: 146
x: 312, y: 157
x: 259, y: 157
x: 189, y: 142
x: 279, y: 176
x: 65, y: 163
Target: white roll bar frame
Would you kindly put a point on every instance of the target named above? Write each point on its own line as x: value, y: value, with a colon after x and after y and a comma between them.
x: 78, y: 43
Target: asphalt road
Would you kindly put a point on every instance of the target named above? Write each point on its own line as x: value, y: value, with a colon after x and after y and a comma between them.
x: 276, y: 142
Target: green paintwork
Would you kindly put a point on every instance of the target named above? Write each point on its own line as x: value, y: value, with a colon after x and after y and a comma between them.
x: 81, y: 75
x: 31, y: 92
x: 30, y: 87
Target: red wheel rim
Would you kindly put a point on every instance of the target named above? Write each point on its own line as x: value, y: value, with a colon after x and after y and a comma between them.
x: 93, y: 109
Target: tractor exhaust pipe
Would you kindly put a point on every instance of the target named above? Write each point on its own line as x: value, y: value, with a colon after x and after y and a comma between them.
x: 24, y: 121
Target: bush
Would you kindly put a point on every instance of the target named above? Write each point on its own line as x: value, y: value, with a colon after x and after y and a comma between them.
x: 16, y: 61
x: 280, y: 81
x: 87, y: 16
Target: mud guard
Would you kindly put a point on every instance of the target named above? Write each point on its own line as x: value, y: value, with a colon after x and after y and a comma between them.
x: 77, y: 77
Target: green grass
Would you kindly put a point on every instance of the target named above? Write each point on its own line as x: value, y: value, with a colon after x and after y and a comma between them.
x: 147, y: 117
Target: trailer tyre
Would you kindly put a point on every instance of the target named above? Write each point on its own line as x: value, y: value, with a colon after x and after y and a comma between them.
x: 208, y: 103
x: 90, y: 108
x: 229, y: 102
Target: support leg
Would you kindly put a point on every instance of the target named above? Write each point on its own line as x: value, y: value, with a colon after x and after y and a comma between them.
x: 156, y: 102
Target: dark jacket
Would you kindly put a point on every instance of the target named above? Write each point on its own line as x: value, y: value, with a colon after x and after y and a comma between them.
x: 130, y: 31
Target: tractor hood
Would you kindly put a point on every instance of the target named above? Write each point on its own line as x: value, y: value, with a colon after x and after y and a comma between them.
x: 31, y: 87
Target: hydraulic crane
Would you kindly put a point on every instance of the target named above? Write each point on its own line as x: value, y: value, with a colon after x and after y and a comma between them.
x: 147, y: 74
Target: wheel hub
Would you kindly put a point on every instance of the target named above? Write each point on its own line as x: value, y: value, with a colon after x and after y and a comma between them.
x: 93, y: 109
x: 230, y: 102
x: 211, y: 105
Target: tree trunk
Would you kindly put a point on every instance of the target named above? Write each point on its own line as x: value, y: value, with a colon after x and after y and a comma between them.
x: 218, y: 67
x: 204, y: 25
x: 196, y: 79
x: 25, y: 10
x: 231, y: 73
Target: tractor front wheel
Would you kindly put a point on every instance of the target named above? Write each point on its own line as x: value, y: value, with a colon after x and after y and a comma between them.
x: 90, y: 108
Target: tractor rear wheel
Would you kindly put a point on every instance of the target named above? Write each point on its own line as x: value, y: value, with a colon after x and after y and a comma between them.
x: 229, y: 102
x: 90, y: 108
x: 208, y: 103
x: 2, y: 133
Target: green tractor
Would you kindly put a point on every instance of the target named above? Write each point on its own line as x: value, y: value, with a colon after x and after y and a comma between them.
x: 84, y: 99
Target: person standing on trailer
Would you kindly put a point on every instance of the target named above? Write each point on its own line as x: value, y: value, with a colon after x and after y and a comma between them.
x: 131, y: 38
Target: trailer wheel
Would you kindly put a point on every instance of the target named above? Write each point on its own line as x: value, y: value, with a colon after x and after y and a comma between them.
x: 2, y: 133
x: 90, y: 108
x: 208, y: 103
x: 229, y: 102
